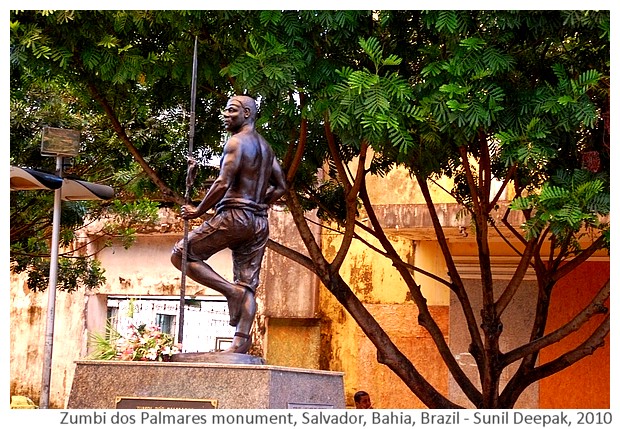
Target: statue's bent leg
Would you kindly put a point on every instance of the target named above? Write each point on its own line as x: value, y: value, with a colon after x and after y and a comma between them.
x: 212, y: 236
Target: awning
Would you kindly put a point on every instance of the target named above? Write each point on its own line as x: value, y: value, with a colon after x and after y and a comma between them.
x: 28, y: 179
x: 73, y: 190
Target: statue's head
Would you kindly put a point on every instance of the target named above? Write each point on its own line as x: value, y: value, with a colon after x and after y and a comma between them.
x: 245, y: 102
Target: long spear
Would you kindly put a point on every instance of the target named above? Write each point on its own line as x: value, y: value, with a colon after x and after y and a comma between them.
x: 189, y: 180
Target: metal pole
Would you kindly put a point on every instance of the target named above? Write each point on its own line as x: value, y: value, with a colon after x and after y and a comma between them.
x: 188, y: 186
x: 51, y: 294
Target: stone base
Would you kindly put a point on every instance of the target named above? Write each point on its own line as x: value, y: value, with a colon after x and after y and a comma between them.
x: 107, y: 384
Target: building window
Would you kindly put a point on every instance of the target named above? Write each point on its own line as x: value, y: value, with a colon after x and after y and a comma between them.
x: 165, y: 322
x: 206, y: 319
x: 112, y: 319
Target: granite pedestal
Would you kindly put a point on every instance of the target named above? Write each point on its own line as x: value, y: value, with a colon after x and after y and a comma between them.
x: 119, y: 384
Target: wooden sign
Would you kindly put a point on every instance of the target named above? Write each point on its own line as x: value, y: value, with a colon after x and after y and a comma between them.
x: 60, y: 142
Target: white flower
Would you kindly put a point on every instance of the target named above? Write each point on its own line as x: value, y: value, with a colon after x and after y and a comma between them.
x: 151, y: 354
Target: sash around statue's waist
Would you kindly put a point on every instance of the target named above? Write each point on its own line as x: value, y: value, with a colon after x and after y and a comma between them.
x: 244, y: 204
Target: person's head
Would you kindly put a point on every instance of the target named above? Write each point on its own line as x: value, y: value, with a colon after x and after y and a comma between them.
x: 362, y: 400
x: 239, y: 110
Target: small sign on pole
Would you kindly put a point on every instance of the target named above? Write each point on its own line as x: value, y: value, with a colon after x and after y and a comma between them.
x: 60, y: 142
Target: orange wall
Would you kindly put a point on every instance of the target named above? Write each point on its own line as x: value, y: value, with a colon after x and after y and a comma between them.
x: 585, y: 384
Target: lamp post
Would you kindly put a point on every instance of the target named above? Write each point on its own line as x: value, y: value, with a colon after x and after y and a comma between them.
x: 60, y: 143
x: 51, y: 295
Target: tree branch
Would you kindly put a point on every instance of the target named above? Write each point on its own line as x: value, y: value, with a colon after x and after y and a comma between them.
x: 516, y: 280
x: 169, y: 194
x: 485, y: 176
x: 391, y: 356
x: 424, y: 317
x: 512, y: 228
x: 295, y: 161
x: 351, y: 204
x: 459, y: 289
x: 596, y: 306
x: 505, y: 182
x: 517, y: 385
x: 291, y: 254
x: 398, y: 260
x: 579, y: 259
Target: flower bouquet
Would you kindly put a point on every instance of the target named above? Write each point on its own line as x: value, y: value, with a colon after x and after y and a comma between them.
x: 136, y: 343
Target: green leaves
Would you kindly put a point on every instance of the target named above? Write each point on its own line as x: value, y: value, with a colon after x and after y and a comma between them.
x: 569, y: 203
x: 109, y: 41
x: 463, y: 86
x: 569, y: 98
x: 448, y: 20
x: 528, y: 88
x: 372, y: 48
x: 269, y: 67
x: 378, y: 102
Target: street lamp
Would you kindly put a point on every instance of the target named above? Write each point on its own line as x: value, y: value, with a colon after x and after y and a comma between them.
x: 60, y: 143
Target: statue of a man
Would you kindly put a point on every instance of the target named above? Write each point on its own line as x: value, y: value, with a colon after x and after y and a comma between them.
x: 250, y: 179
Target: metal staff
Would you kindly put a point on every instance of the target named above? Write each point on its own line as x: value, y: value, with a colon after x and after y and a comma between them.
x: 189, y: 180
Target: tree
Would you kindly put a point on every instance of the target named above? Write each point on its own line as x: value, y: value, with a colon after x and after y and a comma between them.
x: 40, y: 98
x: 517, y: 97
x: 34, y: 105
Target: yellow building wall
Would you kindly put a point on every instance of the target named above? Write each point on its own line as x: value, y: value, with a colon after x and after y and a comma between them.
x: 28, y: 316
x: 428, y: 257
x: 380, y: 287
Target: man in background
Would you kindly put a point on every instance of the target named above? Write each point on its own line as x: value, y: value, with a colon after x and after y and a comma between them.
x: 362, y: 400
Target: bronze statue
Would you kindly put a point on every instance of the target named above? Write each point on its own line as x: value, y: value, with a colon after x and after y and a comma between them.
x: 250, y: 179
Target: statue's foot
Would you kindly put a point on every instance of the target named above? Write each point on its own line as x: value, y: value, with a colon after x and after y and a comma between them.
x: 235, y: 304
x: 244, y: 347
